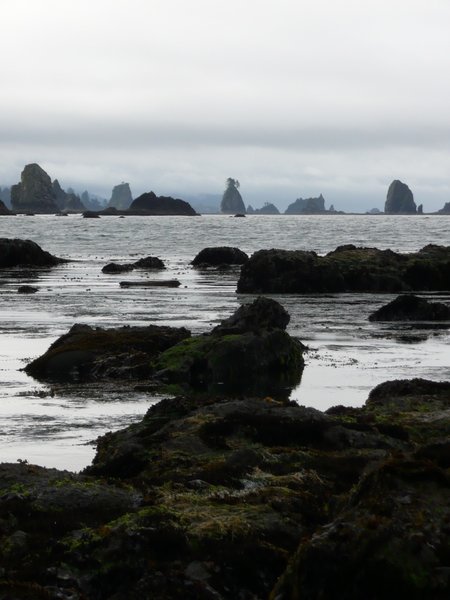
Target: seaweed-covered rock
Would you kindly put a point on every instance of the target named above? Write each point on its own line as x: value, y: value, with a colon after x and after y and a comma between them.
x: 17, y: 253
x: 222, y: 498
x: 346, y: 269
x: 92, y: 352
x: 112, y: 268
x: 249, y: 352
x: 411, y: 308
x: 220, y: 255
x: 262, y: 313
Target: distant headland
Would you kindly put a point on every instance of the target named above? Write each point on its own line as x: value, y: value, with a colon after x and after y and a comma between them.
x: 36, y: 193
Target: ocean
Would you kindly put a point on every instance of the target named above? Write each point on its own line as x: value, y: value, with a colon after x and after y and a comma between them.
x: 56, y: 425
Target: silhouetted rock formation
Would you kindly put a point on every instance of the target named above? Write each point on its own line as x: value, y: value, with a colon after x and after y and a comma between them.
x: 445, y: 210
x: 303, y: 206
x: 3, y: 209
x: 346, y: 269
x: 411, y: 308
x: 232, y: 202
x: 400, y: 200
x: 18, y: 253
x: 151, y: 204
x: 5, y: 196
x: 67, y: 201
x: 35, y: 192
x: 121, y: 197
x: 267, y: 209
x: 420, y: 209
x: 220, y: 255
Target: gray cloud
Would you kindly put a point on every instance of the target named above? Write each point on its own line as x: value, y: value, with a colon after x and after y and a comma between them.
x: 293, y: 98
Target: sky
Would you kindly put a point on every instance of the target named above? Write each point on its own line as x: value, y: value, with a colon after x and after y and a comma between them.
x: 292, y: 97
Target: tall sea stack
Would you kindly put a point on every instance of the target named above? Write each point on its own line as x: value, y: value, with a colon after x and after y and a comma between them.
x: 35, y: 192
x: 400, y: 200
x: 121, y: 197
x: 232, y: 202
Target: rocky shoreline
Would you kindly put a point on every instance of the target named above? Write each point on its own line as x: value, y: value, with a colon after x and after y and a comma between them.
x: 242, y: 498
x: 226, y: 489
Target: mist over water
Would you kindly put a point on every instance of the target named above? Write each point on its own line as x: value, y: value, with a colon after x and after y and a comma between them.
x: 55, y: 425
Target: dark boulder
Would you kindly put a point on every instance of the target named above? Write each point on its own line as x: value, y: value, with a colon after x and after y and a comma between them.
x: 112, y: 268
x: 149, y: 262
x: 346, y: 269
x: 151, y: 204
x: 411, y: 308
x: 89, y: 214
x: 27, y: 289
x: 400, y: 199
x: 248, y: 353
x: 221, y: 255
x: 94, y: 353
x: 18, y: 253
x: 262, y: 314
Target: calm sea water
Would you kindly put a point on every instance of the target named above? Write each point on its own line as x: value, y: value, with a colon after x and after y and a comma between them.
x: 55, y: 426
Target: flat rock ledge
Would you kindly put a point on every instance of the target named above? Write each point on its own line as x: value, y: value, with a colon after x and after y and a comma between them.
x: 346, y: 269
x: 209, y: 498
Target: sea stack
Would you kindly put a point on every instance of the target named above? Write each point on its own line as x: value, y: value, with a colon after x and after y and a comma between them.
x: 121, y: 197
x: 232, y: 202
x: 34, y: 193
x: 400, y: 200
x: 306, y: 206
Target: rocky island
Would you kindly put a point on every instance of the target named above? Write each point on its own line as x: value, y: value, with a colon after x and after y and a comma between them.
x: 232, y: 202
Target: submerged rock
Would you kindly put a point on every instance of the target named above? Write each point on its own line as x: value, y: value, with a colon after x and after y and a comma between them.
x: 27, y: 289
x: 18, y: 253
x: 220, y: 255
x: 346, y: 269
x: 411, y: 308
x: 148, y: 263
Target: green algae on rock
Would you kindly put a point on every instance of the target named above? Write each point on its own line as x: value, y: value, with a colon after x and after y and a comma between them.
x: 346, y: 269
x: 242, y: 498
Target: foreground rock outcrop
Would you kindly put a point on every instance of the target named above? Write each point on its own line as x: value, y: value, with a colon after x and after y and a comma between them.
x: 346, y: 269
x: 94, y: 353
x: 243, y: 498
x: 399, y: 200
x: 411, y: 308
x: 15, y: 252
x: 250, y: 351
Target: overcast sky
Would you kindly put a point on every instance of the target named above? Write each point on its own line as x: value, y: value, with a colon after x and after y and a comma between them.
x: 292, y: 97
